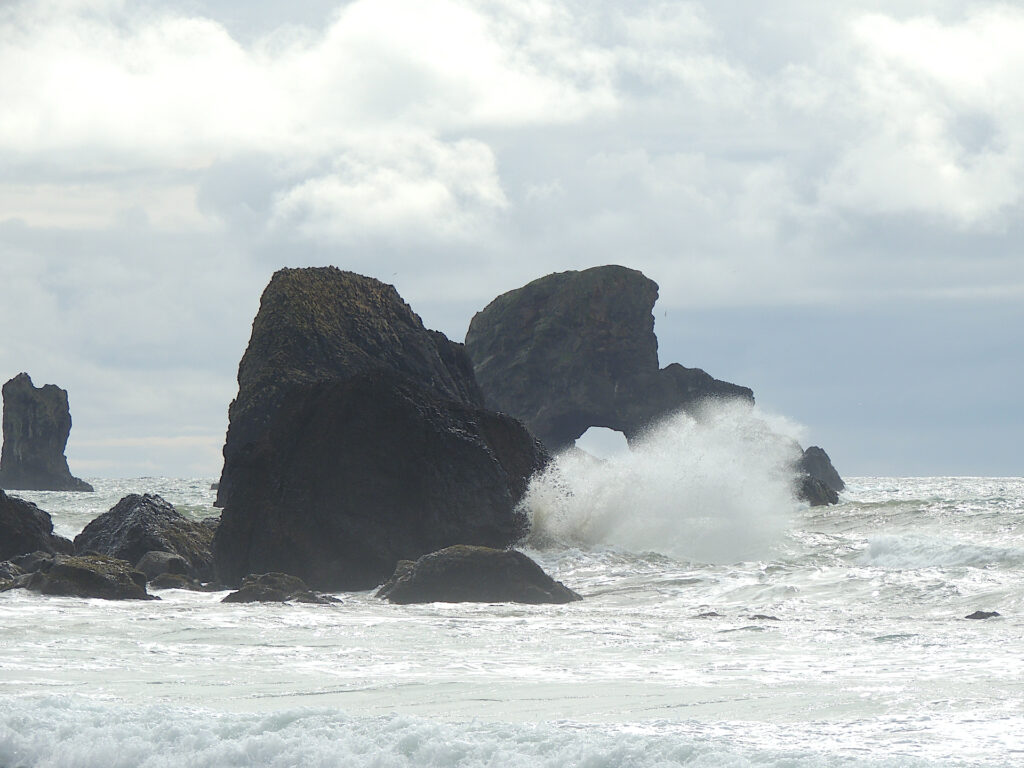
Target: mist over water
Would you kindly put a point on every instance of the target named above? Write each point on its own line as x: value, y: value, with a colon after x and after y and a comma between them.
x: 714, y: 487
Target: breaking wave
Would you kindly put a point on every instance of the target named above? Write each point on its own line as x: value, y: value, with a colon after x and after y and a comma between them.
x: 713, y: 487
x: 901, y: 552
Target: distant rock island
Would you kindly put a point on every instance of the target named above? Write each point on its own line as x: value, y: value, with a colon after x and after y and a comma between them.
x: 575, y: 350
x: 36, y: 425
x: 358, y: 439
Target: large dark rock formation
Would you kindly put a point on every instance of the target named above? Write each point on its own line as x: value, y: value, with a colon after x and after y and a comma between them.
x: 140, y: 524
x: 462, y: 574
x: 358, y: 439
x: 25, y: 528
x: 323, y: 324
x: 36, y: 426
x: 575, y: 350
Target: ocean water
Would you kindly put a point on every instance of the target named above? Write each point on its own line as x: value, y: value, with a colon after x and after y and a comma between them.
x: 722, y: 625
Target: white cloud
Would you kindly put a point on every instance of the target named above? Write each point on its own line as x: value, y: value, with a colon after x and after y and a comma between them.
x: 397, y: 188
x: 938, y: 118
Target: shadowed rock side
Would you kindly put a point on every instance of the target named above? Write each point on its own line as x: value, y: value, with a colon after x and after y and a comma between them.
x: 323, y: 324
x: 138, y: 524
x: 575, y: 350
x: 816, y: 463
x: 25, y: 528
x: 348, y: 477
x: 36, y: 425
x: 464, y: 574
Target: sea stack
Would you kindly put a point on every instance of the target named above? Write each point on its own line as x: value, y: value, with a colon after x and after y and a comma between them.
x: 575, y: 350
x: 358, y: 439
x: 36, y: 425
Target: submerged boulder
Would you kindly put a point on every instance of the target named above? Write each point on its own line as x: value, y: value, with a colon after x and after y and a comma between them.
x: 36, y: 426
x: 464, y: 574
x: 98, y: 576
x: 147, y: 523
x: 575, y: 350
x: 351, y: 476
x: 276, y: 588
x: 25, y: 528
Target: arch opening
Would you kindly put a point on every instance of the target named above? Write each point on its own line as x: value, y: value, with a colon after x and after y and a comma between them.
x: 602, y: 442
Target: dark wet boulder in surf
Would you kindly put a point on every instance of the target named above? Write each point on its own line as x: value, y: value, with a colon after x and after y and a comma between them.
x: 350, y: 477
x: 981, y: 615
x: 36, y: 426
x: 86, y: 576
x: 155, y: 564
x: 467, y: 574
x: 816, y: 463
x: 574, y: 350
x: 358, y: 438
x: 138, y: 524
x: 25, y: 528
x: 276, y: 588
x: 814, y: 491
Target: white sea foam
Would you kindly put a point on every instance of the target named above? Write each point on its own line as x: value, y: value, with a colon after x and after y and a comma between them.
x: 70, y: 732
x: 712, y: 488
x: 906, y: 552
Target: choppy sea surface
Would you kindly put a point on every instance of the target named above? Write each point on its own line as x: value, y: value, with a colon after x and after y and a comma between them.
x: 843, y: 642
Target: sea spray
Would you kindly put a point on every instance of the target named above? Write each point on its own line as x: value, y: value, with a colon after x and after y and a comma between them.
x: 713, y: 487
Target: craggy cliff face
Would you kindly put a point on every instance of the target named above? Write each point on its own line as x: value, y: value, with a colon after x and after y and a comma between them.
x: 36, y: 426
x: 577, y: 349
x: 358, y: 439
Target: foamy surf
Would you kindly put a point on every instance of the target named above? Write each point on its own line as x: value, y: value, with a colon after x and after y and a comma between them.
x: 714, y: 488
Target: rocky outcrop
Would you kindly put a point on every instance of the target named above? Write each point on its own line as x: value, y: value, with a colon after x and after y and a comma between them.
x: 349, y: 477
x: 140, y: 524
x: 358, y: 438
x: 816, y: 463
x: 98, y: 576
x: 25, y: 528
x: 463, y: 574
x: 276, y: 588
x: 814, y: 491
x: 322, y: 324
x: 575, y: 350
x: 36, y: 425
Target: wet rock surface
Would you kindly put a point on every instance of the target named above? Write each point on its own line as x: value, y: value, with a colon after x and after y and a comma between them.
x: 25, y: 528
x: 96, y: 576
x: 139, y: 524
x: 461, y: 574
x: 276, y: 588
x: 36, y: 426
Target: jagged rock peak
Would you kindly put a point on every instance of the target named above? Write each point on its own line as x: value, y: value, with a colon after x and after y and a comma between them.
x: 36, y: 426
x: 322, y: 324
x: 574, y: 350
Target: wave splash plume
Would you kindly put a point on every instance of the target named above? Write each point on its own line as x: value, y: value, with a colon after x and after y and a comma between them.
x: 714, y: 487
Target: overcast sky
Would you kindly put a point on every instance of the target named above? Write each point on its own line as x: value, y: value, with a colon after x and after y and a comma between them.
x: 830, y: 196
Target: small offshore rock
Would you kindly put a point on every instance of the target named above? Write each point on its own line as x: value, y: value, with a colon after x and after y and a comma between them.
x: 815, y: 492
x: 276, y: 588
x: 469, y: 574
x: 983, y: 615
x: 99, y: 576
x: 36, y: 425
x: 138, y: 524
x: 816, y: 463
